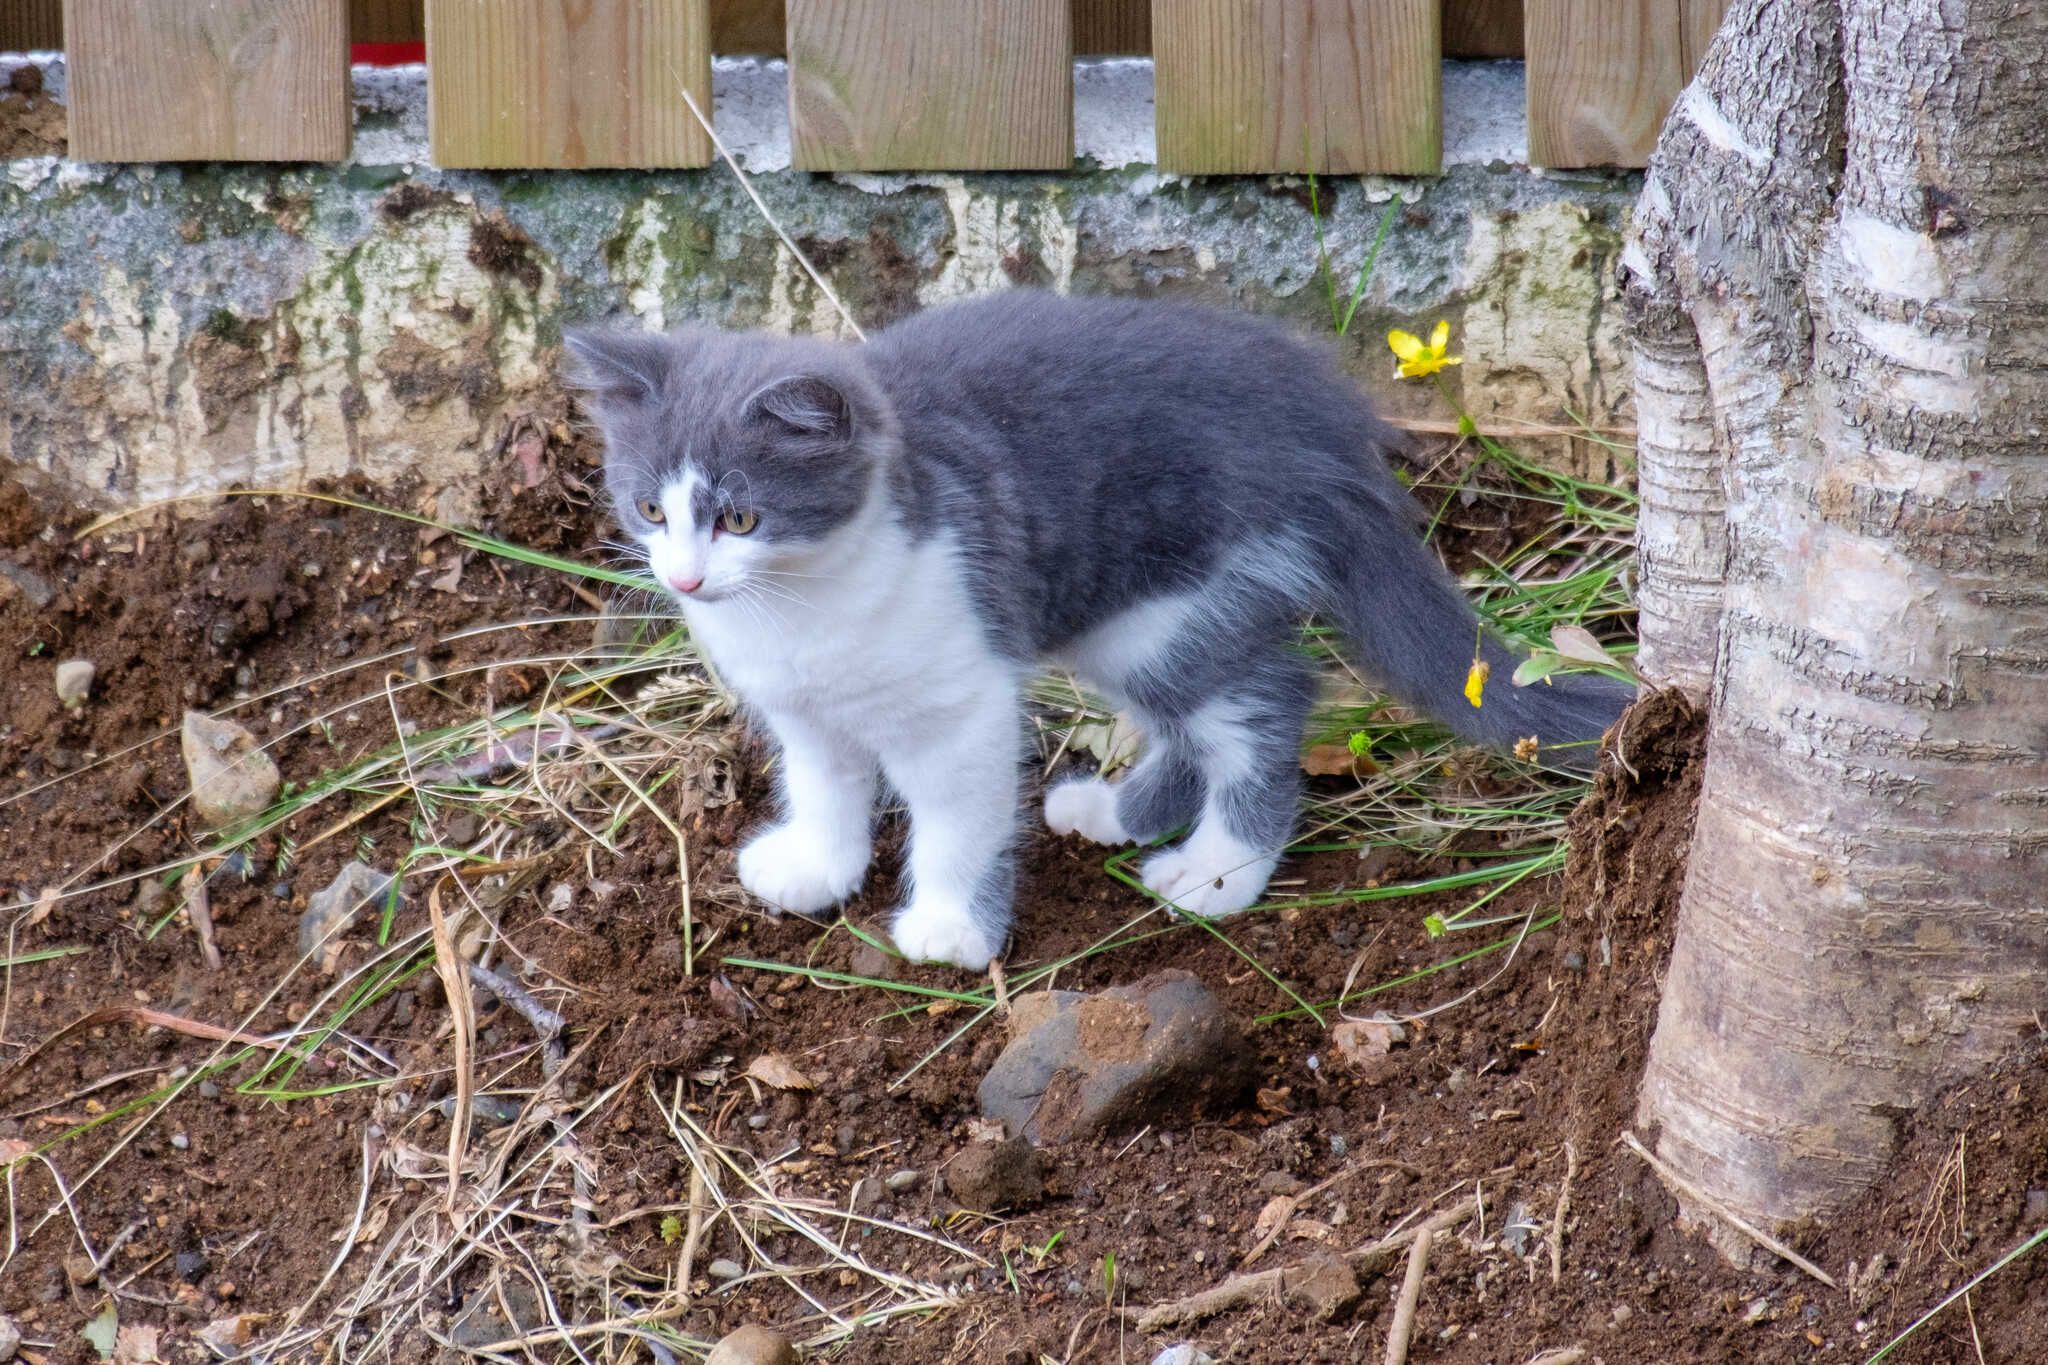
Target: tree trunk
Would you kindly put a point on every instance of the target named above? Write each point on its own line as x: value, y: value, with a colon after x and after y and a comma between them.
x: 1838, y: 288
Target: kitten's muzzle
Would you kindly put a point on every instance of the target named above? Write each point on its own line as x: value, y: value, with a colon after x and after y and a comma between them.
x: 684, y: 585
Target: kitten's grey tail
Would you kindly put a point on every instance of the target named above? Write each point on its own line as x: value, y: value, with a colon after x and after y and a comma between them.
x: 1413, y: 630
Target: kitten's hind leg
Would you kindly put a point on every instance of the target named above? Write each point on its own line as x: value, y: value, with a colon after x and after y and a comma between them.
x: 818, y: 854
x: 1162, y: 793
x: 1248, y: 747
x: 960, y: 779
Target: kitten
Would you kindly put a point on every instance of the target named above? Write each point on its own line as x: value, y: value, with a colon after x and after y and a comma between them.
x: 877, y: 545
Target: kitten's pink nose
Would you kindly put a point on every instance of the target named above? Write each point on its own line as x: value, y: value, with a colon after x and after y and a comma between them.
x: 682, y: 584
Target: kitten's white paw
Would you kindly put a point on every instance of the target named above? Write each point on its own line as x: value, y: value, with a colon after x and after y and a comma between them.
x: 798, y: 870
x: 1085, y: 806
x: 926, y: 931
x: 1209, y: 877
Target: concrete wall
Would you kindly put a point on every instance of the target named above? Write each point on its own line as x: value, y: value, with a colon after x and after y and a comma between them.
x: 168, y: 329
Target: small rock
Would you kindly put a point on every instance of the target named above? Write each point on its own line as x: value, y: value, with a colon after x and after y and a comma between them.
x: 355, y: 888
x: 757, y: 1121
x: 80, y: 1270
x: 232, y: 778
x: 990, y: 1176
x: 2037, y: 1207
x: 873, y: 963
x: 1280, y: 1182
x: 1758, y: 1310
x: 1622, y: 1314
x: 752, y: 1345
x: 74, y: 681
x: 1326, y: 1286
x: 723, y: 1269
x: 845, y: 1138
x: 867, y: 1193
x: 208, y: 1090
x: 1080, y: 1064
x: 1574, y: 960
x: 902, y: 1181
x: 181, y: 1142
x: 28, y: 583
x: 10, y: 1338
x: 1184, y: 1353
x: 485, y: 1322
x: 192, y: 1266
x: 1517, y: 1229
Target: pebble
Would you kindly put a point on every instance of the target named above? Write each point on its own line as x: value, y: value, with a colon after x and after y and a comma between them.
x: 845, y: 1138
x: 722, y: 1269
x: 357, y: 889
x: 181, y: 1142
x: 2037, y: 1207
x: 1326, y: 1286
x: 991, y: 1176
x: 902, y: 1181
x: 1622, y: 1314
x: 10, y: 1338
x: 752, y: 1345
x: 757, y: 1121
x: 192, y: 1266
x: 74, y: 681
x: 1184, y: 1353
x: 232, y: 778
x: 1081, y: 1064
x: 208, y: 1090
x: 1574, y: 961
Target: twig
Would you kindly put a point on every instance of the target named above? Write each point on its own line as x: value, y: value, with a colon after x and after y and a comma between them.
x: 1402, y: 1329
x: 1726, y: 1214
x: 1239, y: 1290
x: 1564, y: 1204
x: 686, y: 1262
x: 199, y: 909
x: 769, y: 218
x: 462, y: 1013
x: 1295, y: 1201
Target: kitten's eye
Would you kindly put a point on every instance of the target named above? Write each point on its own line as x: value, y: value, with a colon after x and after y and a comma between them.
x: 735, y: 522
x: 651, y: 510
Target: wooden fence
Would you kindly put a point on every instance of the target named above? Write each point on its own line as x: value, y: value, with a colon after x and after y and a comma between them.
x: 1334, y: 86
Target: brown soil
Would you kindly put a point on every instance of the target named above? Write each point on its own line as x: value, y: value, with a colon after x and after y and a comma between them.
x: 1532, y: 1075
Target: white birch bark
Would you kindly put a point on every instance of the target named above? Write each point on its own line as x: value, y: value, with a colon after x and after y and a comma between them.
x: 1843, y: 260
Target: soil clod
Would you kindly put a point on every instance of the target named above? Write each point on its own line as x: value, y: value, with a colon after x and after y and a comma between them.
x: 752, y: 1345
x: 232, y: 778
x: 992, y: 1176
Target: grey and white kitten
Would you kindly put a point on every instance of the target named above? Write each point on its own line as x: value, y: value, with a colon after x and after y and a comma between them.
x: 877, y: 545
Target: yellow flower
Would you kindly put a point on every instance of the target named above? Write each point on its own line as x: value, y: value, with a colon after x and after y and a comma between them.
x: 1417, y: 357
x: 1475, y: 681
x: 1525, y: 748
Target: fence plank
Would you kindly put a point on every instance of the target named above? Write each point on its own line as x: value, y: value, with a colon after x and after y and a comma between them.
x: 545, y: 84
x: 750, y: 26
x: 1333, y: 86
x: 31, y: 25
x: 1603, y: 74
x: 234, y: 80
x: 387, y: 21
x: 1119, y: 28
x: 907, y: 85
x: 1483, y: 28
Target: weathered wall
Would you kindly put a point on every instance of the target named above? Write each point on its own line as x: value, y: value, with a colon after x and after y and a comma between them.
x: 169, y: 329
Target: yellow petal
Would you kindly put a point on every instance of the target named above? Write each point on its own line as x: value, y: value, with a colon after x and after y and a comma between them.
x: 1422, y: 365
x: 1406, y: 345
x: 1475, y: 681
x: 1441, y: 337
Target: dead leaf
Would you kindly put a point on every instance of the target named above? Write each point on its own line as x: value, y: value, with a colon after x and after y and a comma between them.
x: 135, y: 1345
x: 1336, y: 760
x: 1271, y: 1219
x: 772, y: 1068
x: 225, y: 1334
x: 1274, y: 1101
x: 45, y: 903
x: 13, y: 1150
x: 1309, y: 1230
x: 1358, y: 1041
x: 1577, y: 644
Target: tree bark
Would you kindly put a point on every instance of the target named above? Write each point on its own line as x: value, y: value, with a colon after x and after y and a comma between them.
x: 1838, y: 286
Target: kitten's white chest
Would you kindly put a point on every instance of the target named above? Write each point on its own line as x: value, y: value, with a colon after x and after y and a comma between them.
x: 892, y: 645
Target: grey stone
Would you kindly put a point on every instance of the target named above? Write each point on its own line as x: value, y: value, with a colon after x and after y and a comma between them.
x: 356, y: 888
x: 10, y: 1338
x: 900, y: 1181
x: 2037, y: 1208
x: 723, y: 1269
x: 232, y: 778
x: 485, y: 1319
x: 28, y: 583
x: 752, y: 1345
x: 991, y: 1176
x: 1081, y: 1064
x: 1184, y: 1353
x: 74, y: 681
x: 1325, y: 1287
x: 181, y: 1142
x: 192, y: 1266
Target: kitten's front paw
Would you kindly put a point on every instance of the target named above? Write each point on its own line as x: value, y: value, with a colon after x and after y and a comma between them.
x: 925, y: 932
x: 1209, y: 878
x: 794, y: 869
x: 1085, y: 806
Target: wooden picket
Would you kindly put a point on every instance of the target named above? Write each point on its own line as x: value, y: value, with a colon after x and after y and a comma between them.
x: 541, y: 83
x: 1483, y: 28
x: 1333, y: 86
x: 1600, y: 103
x: 31, y: 25
x: 234, y: 80
x: 906, y: 85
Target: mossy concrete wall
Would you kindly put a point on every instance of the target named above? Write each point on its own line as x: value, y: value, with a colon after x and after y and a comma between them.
x: 171, y: 329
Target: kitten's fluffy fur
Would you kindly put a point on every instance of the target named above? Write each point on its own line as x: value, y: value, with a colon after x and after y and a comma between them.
x: 1151, y: 494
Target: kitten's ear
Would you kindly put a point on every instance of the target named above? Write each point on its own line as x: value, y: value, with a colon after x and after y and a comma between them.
x: 808, y: 404
x: 617, y: 368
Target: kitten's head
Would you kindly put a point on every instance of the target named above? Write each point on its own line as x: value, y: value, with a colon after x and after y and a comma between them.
x: 732, y: 458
